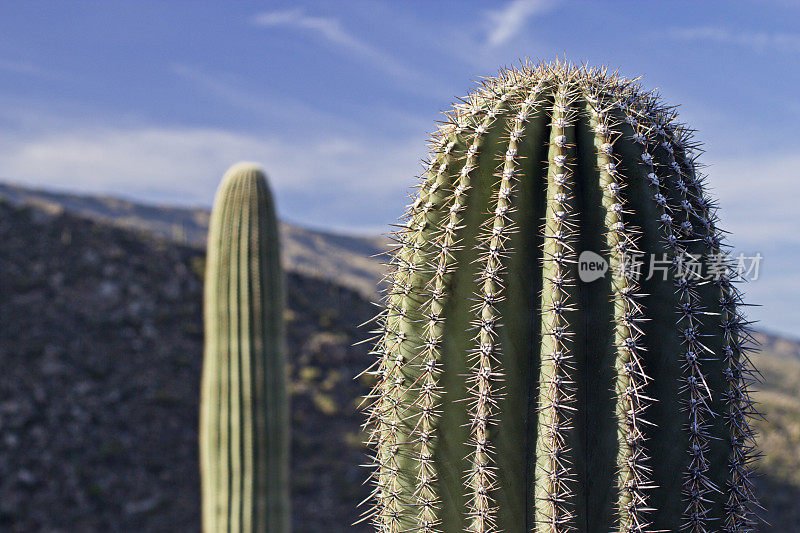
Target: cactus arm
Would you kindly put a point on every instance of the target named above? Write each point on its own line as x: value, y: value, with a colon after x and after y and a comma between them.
x: 244, y: 442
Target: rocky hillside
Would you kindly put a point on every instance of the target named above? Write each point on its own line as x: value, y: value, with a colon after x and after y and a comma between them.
x: 101, y: 346
x: 101, y: 353
x: 346, y: 260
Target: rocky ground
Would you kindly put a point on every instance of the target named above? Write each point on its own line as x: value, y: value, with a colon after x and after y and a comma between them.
x: 101, y: 353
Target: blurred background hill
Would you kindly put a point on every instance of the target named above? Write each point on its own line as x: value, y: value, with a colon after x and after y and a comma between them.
x: 349, y: 260
x: 100, y: 318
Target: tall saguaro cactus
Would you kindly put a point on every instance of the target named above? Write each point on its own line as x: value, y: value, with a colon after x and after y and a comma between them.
x: 244, y: 436
x: 512, y: 396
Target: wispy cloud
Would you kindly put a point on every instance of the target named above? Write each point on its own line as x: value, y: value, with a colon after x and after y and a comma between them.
x: 292, y: 115
x: 331, y: 30
x: 271, y: 108
x: 224, y: 91
x: 507, y: 22
x: 26, y: 68
x: 19, y: 67
x: 760, y: 41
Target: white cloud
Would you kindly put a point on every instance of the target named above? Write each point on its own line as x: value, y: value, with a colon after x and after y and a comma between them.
x: 761, y: 41
x: 758, y: 198
x: 507, y: 22
x: 332, y: 31
x: 327, y: 176
x: 146, y: 162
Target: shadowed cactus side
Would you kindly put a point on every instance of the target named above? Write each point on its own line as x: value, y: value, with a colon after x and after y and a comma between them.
x: 244, y: 428
x: 511, y: 396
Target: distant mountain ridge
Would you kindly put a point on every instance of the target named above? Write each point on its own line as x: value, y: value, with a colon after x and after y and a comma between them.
x: 349, y: 261
x: 346, y: 260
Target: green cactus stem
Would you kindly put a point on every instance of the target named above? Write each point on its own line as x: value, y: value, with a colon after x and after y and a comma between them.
x: 244, y: 435
x: 513, y: 396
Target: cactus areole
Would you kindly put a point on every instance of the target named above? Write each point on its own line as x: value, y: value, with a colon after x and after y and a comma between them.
x: 515, y: 394
x: 244, y: 435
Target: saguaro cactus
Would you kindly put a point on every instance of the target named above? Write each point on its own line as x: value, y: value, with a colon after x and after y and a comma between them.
x: 512, y: 396
x: 244, y: 436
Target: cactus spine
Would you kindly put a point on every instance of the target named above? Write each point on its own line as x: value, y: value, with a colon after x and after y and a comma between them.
x: 244, y: 436
x: 511, y: 396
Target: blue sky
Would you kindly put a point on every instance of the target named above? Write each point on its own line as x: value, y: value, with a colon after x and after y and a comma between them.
x: 153, y: 100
